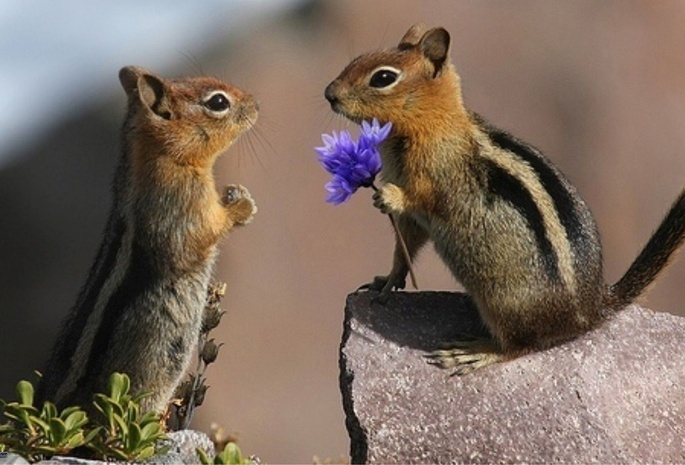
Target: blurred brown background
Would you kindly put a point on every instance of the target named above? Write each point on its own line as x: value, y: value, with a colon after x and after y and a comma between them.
x: 598, y: 86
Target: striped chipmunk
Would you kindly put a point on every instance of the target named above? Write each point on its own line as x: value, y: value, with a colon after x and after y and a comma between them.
x: 507, y: 223
x: 140, y: 309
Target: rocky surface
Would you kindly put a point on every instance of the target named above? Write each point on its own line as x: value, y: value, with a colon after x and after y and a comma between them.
x: 182, y: 450
x: 12, y: 459
x: 613, y: 395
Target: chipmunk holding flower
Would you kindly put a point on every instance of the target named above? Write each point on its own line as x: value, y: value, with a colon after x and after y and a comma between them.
x: 141, y: 307
x: 507, y: 223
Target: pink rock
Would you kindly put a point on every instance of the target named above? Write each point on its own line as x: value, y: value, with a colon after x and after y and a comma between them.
x: 616, y: 394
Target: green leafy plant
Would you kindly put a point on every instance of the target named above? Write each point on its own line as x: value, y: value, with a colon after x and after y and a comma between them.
x: 231, y: 455
x: 124, y: 432
x: 37, y: 434
x: 121, y: 432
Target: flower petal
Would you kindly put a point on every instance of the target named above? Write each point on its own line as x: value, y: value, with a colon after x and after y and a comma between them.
x: 339, y: 190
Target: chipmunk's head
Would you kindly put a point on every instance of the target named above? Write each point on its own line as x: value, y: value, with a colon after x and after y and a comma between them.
x: 192, y: 119
x: 409, y: 85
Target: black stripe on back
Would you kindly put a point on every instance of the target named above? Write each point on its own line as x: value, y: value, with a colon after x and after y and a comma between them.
x: 509, y: 189
x: 104, y: 264
x: 563, y: 199
x: 138, y: 277
x: 72, y: 330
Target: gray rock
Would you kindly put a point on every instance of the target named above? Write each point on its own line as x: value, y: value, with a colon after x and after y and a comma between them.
x: 186, y: 442
x: 183, y: 445
x: 58, y: 460
x: 7, y: 458
x: 613, y: 395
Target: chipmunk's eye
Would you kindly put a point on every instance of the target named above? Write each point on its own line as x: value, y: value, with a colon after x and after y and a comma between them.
x: 217, y: 102
x: 384, y: 77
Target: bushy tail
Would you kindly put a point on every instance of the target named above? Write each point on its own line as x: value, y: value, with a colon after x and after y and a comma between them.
x: 668, y: 237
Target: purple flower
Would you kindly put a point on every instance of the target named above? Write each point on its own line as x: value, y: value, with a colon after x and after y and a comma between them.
x: 353, y: 164
x: 373, y: 134
x: 339, y: 190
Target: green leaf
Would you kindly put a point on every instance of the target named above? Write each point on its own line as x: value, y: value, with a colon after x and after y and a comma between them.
x: 231, y: 455
x: 134, y: 437
x: 12, y: 410
x: 42, y: 424
x: 68, y: 411
x: 123, y: 426
x: 149, y: 417
x: 204, y: 458
x: 150, y: 431
x: 117, y: 408
x: 119, y: 385
x: 132, y: 412
x: 92, y: 433
x: 25, y: 392
x: 76, y: 440
x: 48, y: 411
x: 234, y: 454
x: 102, y: 405
x: 74, y: 420
x: 120, y: 454
x: 57, y: 431
x: 145, y: 453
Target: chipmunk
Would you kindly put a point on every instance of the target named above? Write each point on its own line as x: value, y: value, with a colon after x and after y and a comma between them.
x: 507, y: 223
x: 140, y: 309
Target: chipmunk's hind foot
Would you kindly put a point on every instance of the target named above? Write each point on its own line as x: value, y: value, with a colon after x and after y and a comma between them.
x: 466, y: 355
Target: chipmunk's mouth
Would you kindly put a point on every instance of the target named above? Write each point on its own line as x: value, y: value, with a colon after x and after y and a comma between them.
x: 338, y: 108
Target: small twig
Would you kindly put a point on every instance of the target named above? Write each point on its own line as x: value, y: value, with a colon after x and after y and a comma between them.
x: 405, y: 251
x: 199, y: 375
x: 403, y: 245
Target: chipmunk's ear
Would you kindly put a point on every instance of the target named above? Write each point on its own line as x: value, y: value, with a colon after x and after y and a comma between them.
x: 146, y: 88
x: 412, y: 36
x: 435, y: 46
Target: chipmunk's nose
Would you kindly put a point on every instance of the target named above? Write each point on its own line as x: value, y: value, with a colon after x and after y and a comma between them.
x: 331, y: 94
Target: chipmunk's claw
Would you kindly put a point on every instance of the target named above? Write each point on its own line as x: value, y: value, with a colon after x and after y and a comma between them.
x: 384, y: 286
x: 466, y: 355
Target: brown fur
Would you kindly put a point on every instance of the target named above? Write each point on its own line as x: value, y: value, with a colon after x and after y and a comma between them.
x: 140, y: 310
x: 506, y: 222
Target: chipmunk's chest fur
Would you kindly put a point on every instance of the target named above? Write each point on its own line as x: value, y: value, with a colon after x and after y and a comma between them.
x: 176, y: 214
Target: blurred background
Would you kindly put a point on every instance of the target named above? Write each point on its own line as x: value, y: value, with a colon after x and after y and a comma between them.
x: 598, y: 86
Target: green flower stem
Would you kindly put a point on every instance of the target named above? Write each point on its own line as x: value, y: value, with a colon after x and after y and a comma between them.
x: 403, y: 245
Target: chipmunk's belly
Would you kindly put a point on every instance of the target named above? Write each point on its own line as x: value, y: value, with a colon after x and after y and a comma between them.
x: 486, y: 253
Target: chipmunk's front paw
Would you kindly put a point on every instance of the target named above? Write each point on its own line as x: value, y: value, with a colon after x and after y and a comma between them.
x: 239, y: 204
x: 389, y: 199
